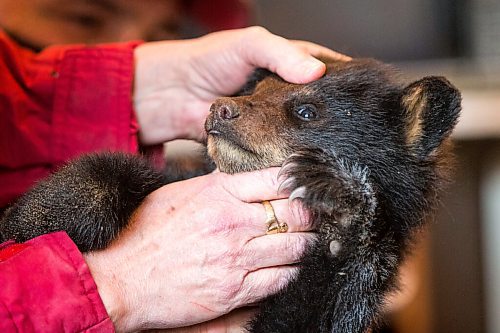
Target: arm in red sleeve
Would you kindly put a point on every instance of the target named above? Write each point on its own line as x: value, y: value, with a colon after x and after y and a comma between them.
x: 46, y: 286
x: 59, y: 103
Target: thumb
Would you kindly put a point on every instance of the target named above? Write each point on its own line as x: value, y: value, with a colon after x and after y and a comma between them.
x: 293, y: 61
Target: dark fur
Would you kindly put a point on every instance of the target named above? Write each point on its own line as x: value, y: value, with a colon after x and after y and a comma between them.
x: 91, y: 199
x: 368, y: 168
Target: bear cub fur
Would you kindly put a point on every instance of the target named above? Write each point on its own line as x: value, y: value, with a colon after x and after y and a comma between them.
x: 364, y: 153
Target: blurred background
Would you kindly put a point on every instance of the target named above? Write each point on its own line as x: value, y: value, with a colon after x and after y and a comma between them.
x: 452, y: 283
x: 457, y: 263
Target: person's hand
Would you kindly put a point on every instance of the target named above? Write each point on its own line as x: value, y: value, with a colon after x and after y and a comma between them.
x: 176, y: 81
x: 198, y: 249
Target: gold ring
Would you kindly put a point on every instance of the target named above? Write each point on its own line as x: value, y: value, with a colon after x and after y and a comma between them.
x: 273, y: 226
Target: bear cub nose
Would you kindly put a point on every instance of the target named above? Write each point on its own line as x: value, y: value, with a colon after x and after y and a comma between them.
x: 225, y: 109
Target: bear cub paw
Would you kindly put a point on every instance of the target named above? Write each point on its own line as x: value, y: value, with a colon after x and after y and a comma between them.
x: 334, y: 190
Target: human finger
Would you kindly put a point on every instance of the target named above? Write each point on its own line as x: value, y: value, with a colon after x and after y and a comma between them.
x: 233, y: 322
x: 293, y: 63
x: 293, y: 214
x: 276, y: 250
x: 319, y: 51
x: 254, y: 186
x: 264, y: 282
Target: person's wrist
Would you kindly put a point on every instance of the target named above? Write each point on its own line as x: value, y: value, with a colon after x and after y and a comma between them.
x: 110, y: 292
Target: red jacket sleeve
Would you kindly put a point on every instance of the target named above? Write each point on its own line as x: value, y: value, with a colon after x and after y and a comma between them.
x: 59, y: 103
x: 46, y: 286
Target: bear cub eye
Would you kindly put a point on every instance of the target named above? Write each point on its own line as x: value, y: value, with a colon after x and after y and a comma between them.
x: 306, y: 112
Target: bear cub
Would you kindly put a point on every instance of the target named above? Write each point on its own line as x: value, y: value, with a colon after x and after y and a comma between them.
x: 364, y: 153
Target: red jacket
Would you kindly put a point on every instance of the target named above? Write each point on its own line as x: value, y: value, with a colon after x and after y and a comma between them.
x: 45, y: 286
x: 55, y: 105
x: 59, y: 103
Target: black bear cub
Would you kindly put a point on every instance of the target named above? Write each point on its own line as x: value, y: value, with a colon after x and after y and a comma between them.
x: 364, y: 153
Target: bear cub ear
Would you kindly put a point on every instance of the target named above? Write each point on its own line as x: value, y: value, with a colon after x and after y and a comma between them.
x: 431, y: 109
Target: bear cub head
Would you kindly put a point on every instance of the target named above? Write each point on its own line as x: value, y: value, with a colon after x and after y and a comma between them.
x: 359, y: 109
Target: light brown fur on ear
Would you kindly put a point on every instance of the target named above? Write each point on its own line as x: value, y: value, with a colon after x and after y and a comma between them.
x: 415, y: 103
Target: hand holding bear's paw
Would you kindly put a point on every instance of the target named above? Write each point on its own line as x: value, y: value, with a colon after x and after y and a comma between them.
x: 196, y: 250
